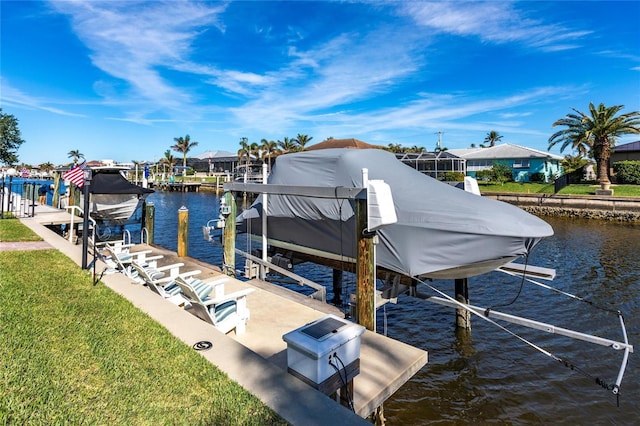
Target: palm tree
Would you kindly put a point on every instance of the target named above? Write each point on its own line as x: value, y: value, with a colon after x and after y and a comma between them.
x: 287, y: 145
x: 301, y: 141
x: 75, y: 154
x: 491, y: 138
x: 254, y: 151
x: 46, y: 167
x: 268, y: 149
x: 168, y: 160
x: 571, y: 163
x: 244, y: 152
x: 183, y: 145
x: 396, y: 148
x: 597, y: 131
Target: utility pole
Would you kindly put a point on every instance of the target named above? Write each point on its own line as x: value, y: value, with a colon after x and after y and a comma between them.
x: 439, y: 140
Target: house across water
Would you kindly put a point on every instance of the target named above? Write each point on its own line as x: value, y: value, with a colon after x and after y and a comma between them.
x: 527, y: 164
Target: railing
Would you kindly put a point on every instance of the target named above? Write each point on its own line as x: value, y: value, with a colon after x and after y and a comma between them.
x: 566, y: 180
x: 19, y: 198
x: 73, y: 210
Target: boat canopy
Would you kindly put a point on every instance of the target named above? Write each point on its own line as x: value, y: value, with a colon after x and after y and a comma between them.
x: 441, y: 231
x: 111, y: 181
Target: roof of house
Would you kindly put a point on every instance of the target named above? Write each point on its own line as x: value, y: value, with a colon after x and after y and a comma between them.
x: 214, y: 154
x: 342, y: 143
x: 631, y: 146
x: 502, y: 151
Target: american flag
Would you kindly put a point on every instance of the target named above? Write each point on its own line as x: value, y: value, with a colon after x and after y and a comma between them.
x: 76, y: 174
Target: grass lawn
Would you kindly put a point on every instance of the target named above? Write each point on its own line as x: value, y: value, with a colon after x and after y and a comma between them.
x: 75, y: 353
x: 544, y: 188
x: 13, y: 230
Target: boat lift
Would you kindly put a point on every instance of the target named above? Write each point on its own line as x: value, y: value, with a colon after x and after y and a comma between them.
x: 372, y: 299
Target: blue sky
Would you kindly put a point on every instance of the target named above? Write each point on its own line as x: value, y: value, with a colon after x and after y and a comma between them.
x: 120, y: 79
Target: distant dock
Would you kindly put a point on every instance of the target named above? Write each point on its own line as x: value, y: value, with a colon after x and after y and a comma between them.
x: 180, y: 186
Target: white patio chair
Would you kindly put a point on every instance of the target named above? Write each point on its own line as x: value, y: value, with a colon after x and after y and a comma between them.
x: 224, y: 312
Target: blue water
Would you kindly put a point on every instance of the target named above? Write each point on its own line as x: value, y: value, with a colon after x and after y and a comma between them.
x: 487, y: 375
x: 16, y: 184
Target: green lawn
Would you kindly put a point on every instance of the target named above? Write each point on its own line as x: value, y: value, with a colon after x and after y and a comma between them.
x: 75, y: 353
x: 13, y: 230
x: 544, y: 188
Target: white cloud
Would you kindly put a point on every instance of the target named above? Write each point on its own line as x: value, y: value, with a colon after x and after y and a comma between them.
x: 136, y: 41
x: 16, y: 98
x: 495, y: 21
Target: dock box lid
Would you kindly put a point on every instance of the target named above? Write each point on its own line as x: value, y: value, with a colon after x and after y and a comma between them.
x: 322, y: 336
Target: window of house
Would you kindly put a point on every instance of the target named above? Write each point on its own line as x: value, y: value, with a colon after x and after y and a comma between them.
x: 521, y: 164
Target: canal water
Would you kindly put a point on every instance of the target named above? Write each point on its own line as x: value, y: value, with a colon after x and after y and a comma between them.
x: 487, y: 375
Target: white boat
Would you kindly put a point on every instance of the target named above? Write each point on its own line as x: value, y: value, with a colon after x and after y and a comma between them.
x: 113, y: 198
x: 440, y: 232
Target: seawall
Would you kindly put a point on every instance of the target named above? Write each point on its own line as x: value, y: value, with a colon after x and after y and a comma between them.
x: 611, y: 208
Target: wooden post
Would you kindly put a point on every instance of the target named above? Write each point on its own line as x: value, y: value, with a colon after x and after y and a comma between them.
x: 365, y: 270
x: 55, y: 200
x: 183, y: 231
x: 229, y: 243
x: 463, y: 316
x: 149, y: 221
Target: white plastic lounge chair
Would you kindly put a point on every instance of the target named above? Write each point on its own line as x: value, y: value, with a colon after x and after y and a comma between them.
x: 121, y: 259
x: 165, y: 287
x: 224, y: 312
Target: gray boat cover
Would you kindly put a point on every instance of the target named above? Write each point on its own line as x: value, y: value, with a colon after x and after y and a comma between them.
x: 441, y: 232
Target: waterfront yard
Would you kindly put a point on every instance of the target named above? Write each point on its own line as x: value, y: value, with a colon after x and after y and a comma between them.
x: 72, y: 352
x: 548, y: 188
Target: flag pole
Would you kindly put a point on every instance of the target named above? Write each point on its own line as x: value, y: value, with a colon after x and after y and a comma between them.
x: 85, y: 215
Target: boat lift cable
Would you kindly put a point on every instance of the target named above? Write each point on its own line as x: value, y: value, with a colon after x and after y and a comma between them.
x: 573, y: 296
x: 614, y: 388
x: 524, y: 272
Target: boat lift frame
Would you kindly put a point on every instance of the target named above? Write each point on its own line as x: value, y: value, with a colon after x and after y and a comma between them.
x: 366, y: 261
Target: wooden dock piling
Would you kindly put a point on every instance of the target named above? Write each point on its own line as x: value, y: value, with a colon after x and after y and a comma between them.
x: 229, y: 255
x: 183, y: 231
x: 463, y: 316
x: 149, y: 221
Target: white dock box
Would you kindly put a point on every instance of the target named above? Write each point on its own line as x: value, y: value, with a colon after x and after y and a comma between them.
x: 312, y: 348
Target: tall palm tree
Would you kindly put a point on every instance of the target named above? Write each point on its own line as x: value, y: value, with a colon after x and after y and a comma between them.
x: 76, y: 155
x: 268, y: 149
x: 287, y: 145
x: 301, y: 141
x: 492, y: 137
x: 183, y: 145
x: 599, y: 131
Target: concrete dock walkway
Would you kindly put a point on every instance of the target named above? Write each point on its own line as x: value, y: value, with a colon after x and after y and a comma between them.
x: 257, y: 359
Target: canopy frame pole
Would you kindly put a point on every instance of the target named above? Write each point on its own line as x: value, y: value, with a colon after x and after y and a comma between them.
x: 265, y: 203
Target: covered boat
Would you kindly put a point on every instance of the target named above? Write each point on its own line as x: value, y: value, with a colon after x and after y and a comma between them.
x: 113, y: 197
x: 441, y: 231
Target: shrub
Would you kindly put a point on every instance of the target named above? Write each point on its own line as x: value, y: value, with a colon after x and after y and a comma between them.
x: 537, y: 177
x: 627, y: 172
x: 501, y: 172
x: 454, y: 176
x: 484, y: 175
